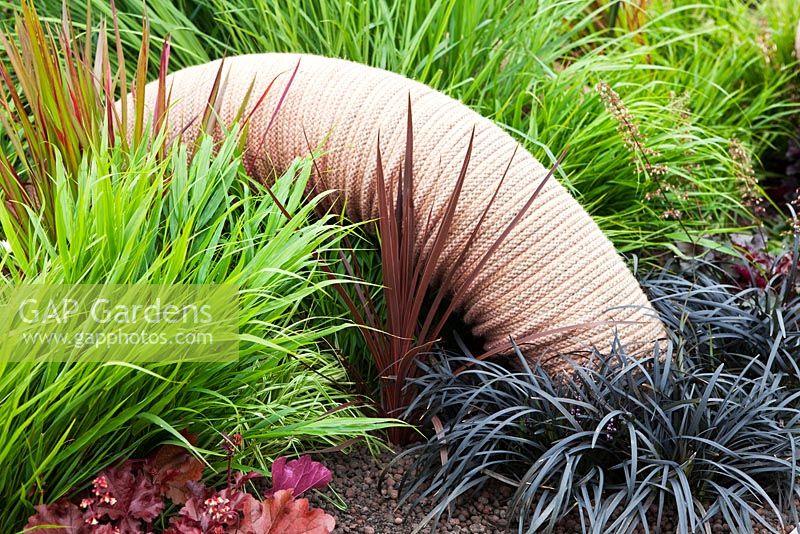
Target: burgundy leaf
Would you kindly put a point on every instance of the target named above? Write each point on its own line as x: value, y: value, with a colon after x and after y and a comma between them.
x: 172, y: 468
x: 216, y: 511
x: 127, y: 496
x: 114, y: 490
x: 298, y: 475
x: 61, y: 513
x: 181, y: 525
x: 192, y: 512
x: 282, y: 514
x: 146, y: 503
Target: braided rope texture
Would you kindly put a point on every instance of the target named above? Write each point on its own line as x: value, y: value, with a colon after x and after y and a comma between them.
x: 556, y: 269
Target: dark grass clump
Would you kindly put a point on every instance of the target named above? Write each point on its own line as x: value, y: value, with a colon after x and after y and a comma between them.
x: 743, y: 315
x: 623, y: 444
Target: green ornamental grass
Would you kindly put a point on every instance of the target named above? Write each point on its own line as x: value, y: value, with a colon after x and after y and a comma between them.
x: 88, y: 200
x: 668, y: 113
x: 696, y: 77
x: 133, y: 218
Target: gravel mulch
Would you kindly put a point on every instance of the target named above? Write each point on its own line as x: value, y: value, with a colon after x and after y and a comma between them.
x: 372, y: 506
x: 372, y: 509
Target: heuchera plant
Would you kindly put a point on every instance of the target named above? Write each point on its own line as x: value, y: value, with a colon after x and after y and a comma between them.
x: 758, y: 265
x: 130, y: 498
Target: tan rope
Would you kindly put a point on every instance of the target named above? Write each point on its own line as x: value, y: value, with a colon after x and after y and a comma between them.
x: 555, y: 269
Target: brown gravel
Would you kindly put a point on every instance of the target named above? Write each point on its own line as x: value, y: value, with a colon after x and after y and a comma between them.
x: 372, y: 509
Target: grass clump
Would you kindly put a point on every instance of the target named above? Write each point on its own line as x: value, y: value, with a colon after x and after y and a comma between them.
x: 96, y: 194
x: 696, y: 77
x: 653, y: 115
x: 135, y: 218
x: 703, y: 431
x: 626, y: 443
x: 720, y: 317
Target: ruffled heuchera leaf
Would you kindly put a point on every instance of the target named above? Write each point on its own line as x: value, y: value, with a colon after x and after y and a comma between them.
x: 126, y: 495
x: 283, y: 514
x: 171, y: 469
x: 298, y: 475
x: 62, y: 513
x: 213, y: 511
x: 146, y: 503
x: 232, y: 511
x: 129, y: 498
x: 122, y: 497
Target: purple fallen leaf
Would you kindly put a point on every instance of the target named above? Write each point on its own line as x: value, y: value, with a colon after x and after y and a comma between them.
x: 298, y: 475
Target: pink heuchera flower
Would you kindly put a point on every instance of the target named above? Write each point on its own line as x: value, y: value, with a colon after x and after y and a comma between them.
x: 128, y: 499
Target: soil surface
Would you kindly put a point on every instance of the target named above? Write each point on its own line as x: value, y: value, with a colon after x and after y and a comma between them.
x: 372, y: 505
x: 372, y: 508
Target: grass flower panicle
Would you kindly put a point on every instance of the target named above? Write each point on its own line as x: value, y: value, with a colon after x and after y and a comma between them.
x: 746, y: 179
x: 628, y: 129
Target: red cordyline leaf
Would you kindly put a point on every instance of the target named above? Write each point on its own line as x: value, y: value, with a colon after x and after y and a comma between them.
x: 298, y: 475
x: 416, y: 309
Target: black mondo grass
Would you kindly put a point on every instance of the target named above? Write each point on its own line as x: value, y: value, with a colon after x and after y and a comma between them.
x: 621, y: 446
x: 716, y: 321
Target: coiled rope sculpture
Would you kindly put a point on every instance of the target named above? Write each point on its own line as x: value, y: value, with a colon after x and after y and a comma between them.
x: 556, y: 269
